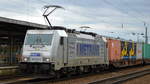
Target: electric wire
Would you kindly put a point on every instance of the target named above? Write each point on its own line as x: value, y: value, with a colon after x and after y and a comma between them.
x: 135, y: 10
x: 118, y: 8
x: 138, y: 12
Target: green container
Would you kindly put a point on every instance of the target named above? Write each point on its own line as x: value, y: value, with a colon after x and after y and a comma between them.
x: 146, y: 51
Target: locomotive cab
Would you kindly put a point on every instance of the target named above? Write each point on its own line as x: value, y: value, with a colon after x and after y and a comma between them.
x: 39, y: 48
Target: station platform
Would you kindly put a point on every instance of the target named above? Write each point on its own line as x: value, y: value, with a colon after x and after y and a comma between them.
x: 8, y: 70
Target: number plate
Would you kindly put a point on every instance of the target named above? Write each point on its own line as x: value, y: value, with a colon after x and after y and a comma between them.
x: 36, y: 59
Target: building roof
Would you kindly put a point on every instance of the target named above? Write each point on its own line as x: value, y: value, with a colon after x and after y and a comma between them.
x: 12, y: 27
x: 23, y: 23
x: 17, y: 27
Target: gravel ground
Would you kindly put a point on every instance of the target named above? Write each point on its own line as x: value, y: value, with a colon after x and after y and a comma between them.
x: 141, y: 80
x: 88, y: 79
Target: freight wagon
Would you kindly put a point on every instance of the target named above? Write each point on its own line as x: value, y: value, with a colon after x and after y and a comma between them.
x: 124, y: 53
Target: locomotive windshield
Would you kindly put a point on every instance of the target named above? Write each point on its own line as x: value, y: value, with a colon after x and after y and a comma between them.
x: 38, y: 39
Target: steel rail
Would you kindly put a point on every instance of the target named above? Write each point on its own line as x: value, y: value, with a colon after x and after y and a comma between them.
x: 122, y: 78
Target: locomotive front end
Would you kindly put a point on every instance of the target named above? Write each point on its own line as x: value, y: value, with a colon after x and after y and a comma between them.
x: 37, y: 50
x: 37, y: 47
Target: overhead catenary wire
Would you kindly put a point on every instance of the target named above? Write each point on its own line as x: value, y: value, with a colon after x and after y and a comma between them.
x: 118, y: 8
x: 35, y: 1
x: 133, y: 9
x: 42, y: 1
x: 106, y: 1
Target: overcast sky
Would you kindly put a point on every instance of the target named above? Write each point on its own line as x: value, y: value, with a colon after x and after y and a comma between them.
x: 103, y: 16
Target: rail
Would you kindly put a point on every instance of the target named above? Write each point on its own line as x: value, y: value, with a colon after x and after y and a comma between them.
x: 122, y: 78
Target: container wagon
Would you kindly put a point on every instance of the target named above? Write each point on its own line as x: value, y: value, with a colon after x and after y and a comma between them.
x: 124, y: 53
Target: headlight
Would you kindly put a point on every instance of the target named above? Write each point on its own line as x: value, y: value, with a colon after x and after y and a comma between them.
x: 47, y: 60
x: 25, y: 59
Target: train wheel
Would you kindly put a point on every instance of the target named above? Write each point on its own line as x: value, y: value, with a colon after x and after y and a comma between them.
x: 58, y: 74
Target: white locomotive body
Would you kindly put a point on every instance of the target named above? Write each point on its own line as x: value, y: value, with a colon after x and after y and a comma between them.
x: 60, y: 50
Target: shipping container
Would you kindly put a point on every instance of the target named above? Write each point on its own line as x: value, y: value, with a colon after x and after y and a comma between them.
x: 132, y: 50
x: 114, y: 50
x: 139, y: 51
x: 128, y: 50
x: 146, y: 51
x: 124, y: 50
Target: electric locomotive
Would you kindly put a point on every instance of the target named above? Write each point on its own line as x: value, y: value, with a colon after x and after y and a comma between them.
x: 62, y: 50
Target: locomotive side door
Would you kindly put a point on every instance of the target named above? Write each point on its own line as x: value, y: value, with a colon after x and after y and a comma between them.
x: 68, y: 50
x: 65, y: 50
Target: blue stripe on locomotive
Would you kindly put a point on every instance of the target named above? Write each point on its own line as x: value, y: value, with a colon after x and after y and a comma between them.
x: 88, y: 50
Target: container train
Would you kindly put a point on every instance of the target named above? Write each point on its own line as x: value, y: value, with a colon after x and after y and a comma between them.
x: 60, y: 51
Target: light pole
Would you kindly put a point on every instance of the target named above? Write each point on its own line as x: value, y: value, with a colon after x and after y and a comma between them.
x: 45, y: 14
x: 146, y: 36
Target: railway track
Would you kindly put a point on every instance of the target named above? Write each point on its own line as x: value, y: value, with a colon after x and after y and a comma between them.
x: 99, y: 76
x: 20, y: 78
x: 122, y: 78
x: 91, y: 78
x: 23, y: 80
